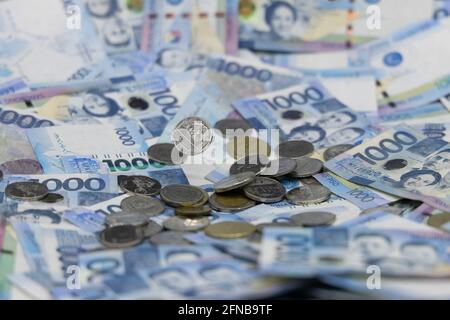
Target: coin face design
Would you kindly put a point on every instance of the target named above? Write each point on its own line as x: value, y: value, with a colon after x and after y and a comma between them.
x: 265, y: 190
x: 192, y: 135
x: 26, y: 191
x: 139, y: 185
x: 183, y: 195
x: 234, y: 182
x: 312, y: 193
x: 122, y: 236
x: 165, y: 153
x: 307, y: 167
x: 295, y: 149
x: 313, y: 219
x: 144, y: 205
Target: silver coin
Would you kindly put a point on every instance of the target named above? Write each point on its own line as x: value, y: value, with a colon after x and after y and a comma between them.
x: 165, y: 153
x: 26, y: 190
x: 139, y: 185
x: 307, y: 167
x: 265, y: 190
x: 170, y: 237
x: 126, y: 218
x: 295, y: 149
x: 186, y: 224
x: 147, y: 206
x: 252, y: 163
x: 183, y: 195
x: 119, y: 237
x: 151, y: 229
x: 236, y: 125
x: 234, y: 181
x: 334, y: 151
x: 280, y: 167
x: 313, y: 219
x: 308, y: 194
x: 192, y: 135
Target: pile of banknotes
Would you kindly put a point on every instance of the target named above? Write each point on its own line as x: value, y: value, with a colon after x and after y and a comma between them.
x: 224, y: 149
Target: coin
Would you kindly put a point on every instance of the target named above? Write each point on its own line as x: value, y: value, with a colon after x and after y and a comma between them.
x: 236, y: 125
x: 52, y: 198
x: 165, y: 153
x: 234, y: 181
x: 312, y: 193
x: 254, y: 163
x: 126, y: 218
x: 231, y: 201
x: 395, y: 164
x: 265, y: 190
x: 119, y: 237
x: 279, y: 167
x: 307, y: 167
x: 185, y: 223
x: 440, y: 221
x: 230, y: 230
x: 243, y: 146
x: 193, y: 211
x: 313, y: 219
x: 139, y: 185
x: 21, y: 166
x: 183, y: 195
x: 148, y: 206
x: 295, y: 149
x: 334, y: 151
x: 26, y: 190
x: 170, y: 237
x: 192, y: 135
x: 151, y: 229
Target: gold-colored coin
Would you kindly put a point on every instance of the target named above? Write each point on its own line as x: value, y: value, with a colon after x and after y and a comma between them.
x: 439, y: 220
x: 231, y: 201
x: 230, y: 230
x: 193, y: 211
x: 242, y: 146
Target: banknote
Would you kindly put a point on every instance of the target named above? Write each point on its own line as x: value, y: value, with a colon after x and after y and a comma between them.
x: 311, y: 26
x: 12, y: 86
x: 8, y: 246
x: 85, y: 219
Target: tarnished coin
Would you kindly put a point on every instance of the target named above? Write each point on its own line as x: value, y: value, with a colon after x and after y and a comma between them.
x: 193, y: 211
x: 165, y: 153
x: 147, y: 206
x: 265, y: 190
x: 312, y: 193
x: 126, y: 218
x: 170, y: 237
x: 334, y: 151
x: 186, y: 224
x: 395, y: 164
x: 231, y: 201
x: 230, y: 230
x: 238, y: 126
x: 234, y: 181
x: 260, y: 227
x: 139, y: 185
x: 280, y: 167
x: 119, y: 237
x: 254, y: 163
x: 26, y: 190
x: 192, y: 135
x: 295, y: 149
x: 243, y: 146
x: 21, y: 166
x: 307, y: 167
x: 313, y: 219
x: 52, y: 198
x: 440, y: 221
x: 183, y: 195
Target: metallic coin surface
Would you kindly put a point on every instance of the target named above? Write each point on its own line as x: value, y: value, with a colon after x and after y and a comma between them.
x: 334, y: 151
x: 183, y: 195
x: 126, y: 218
x: 313, y: 219
x: 231, y: 201
x: 265, y: 190
x: 170, y: 237
x: 234, y: 181
x: 295, y: 149
x: 192, y: 135
x: 185, y: 223
x: 151, y: 228
x: 255, y: 164
x: 308, y: 194
x: 280, y: 167
x: 21, y: 166
x: 139, y: 185
x: 119, y: 237
x: 148, y: 206
x: 26, y: 190
x: 440, y: 221
x: 307, y: 167
x: 230, y: 230
x: 395, y: 164
x: 165, y: 153
x: 238, y: 126
x: 52, y: 198
x: 243, y: 146
x: 193, y: 211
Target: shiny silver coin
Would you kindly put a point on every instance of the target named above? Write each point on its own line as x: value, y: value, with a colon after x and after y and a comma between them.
x: 295, y: 149
x: 170, y: 237
x: 186, y: 224
x: 126, y: 218
x: 308, y: 194
x: 252, y: 163
x: 165, y: 153
x: 150, y: 229
x: 183, y: 195
x: 26, y: 191
x: 52, y: 198
x: 234, y: 181
x: 147, y: 206
x: 265, y: 190
x: 234, y: 126
x: 280, y: 167
x: 307, y: 167
x: 334, y: 151
x: 139, y: 185
x: 192, y: 135
x: 314, y: 219
x: 120, y: 237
